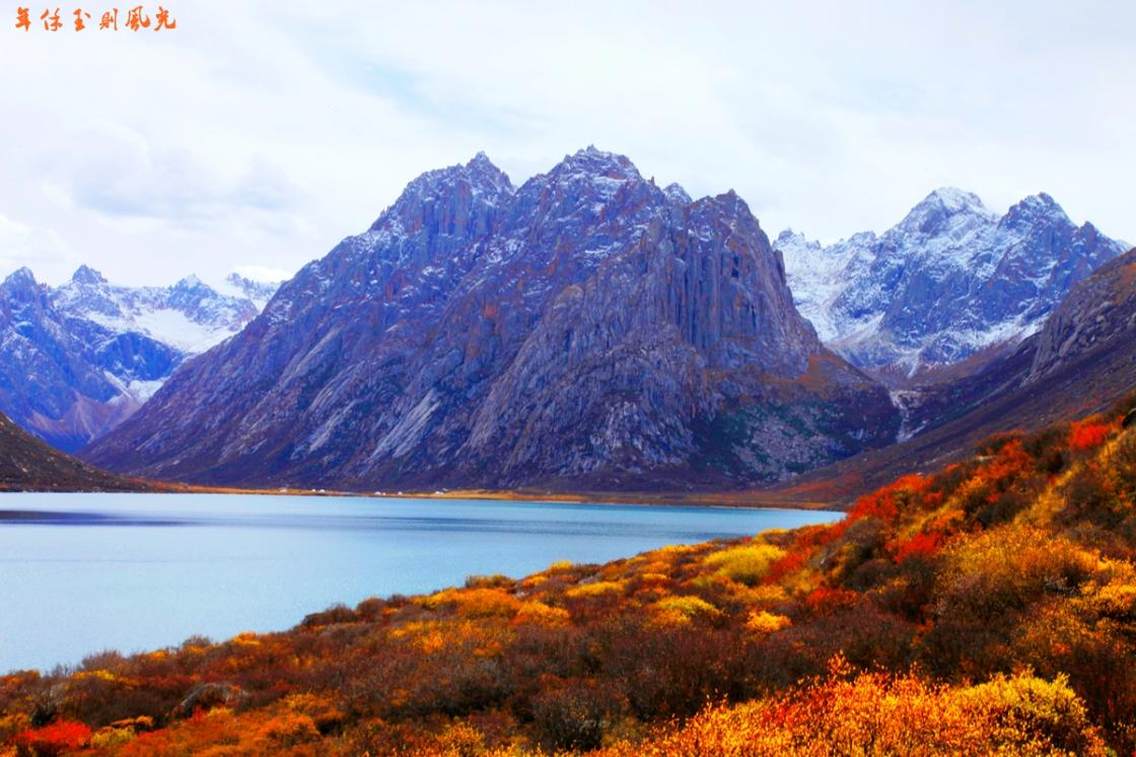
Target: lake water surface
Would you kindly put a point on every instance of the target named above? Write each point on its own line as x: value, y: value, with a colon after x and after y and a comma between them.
x: 80, y: 573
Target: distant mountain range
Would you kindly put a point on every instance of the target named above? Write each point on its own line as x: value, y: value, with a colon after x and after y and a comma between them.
x: 1082, y: 361
x: 77, y: 359
x: 585, y: 330
x: 951, y: 279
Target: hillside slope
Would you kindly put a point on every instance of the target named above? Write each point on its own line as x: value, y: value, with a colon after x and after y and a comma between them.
x: 28, y: 464
x: 1007, y: 583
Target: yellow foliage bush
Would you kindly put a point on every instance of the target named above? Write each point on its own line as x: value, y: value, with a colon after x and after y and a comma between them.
x: 595, y: 589
x: 762, y: 622
x: 746, y: 564
x: 682, y: 610
x: 1009, y: 567
x: 540, y: 614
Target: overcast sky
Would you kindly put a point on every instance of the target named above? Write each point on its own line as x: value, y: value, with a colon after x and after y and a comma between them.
x: 258, y: 134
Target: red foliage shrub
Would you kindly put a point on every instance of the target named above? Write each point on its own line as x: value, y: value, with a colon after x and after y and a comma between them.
x: 920, y: 545
x: 885, y: 503
x: 1087, y: 434
x: 788, y: 564
x: 826, y: 599
x: 56, y: 738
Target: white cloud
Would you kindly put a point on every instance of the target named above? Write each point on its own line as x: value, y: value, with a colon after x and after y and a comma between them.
x: 258, y: 134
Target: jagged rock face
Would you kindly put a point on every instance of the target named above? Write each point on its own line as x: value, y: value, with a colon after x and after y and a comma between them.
x: 1098, y: 314
x: 81, y: 358
x: 584, y: 329
x: 949, y: 280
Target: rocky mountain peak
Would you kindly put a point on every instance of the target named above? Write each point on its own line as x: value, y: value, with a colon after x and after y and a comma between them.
x: 1034, y: 209
x: 20, y: 279
x: 677, y: 194
x: 483, y: 173
x: 85, y: 275
x: 954, y: 200
x: 192, y: 283
x: 729, y: 209
x: 788, y: 236
x: 946, y: 211
x: 594, y: 166
x: 456, y: 200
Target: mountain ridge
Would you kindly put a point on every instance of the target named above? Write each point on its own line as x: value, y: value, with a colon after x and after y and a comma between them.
x: 376, y: 364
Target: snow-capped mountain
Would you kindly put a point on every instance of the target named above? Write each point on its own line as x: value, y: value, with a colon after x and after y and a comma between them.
x: 951, y: 279
x: 584, y: 330
x: 242, y: 287
x: 78, y: 359
x: 190, y: 316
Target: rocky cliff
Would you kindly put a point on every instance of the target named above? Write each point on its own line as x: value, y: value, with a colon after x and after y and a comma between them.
x: 584, y: 330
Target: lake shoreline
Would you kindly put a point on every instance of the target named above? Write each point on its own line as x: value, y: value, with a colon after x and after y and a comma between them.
x: 746, y: 499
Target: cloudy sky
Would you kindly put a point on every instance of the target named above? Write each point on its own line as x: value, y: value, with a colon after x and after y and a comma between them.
x: 258, y: 134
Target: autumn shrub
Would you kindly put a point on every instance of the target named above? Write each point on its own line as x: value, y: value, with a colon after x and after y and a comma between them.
x: 594, y: 589
x: 863, y: 540
x: 880, y: 714
x: 476, y: 603
x: 763, y: 622
x: 670, y: 671
x: 746, y: 564
x: 371, y: 609
x: 330, y: 616
x: 987, y: 588
x: 540, y: 614
x: 1048, y: 448
x: 574, y: 715
x: 1006, y: 569
x: 1122, y: 465
x: 683, y: 610
x: 907, y: 588
x: 1089, y: 495
x: 495, y: 581
x: 57, y: 738
x: 1088, y: 434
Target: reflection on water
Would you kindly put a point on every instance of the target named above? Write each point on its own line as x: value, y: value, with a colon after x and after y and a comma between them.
x: 87, y: 572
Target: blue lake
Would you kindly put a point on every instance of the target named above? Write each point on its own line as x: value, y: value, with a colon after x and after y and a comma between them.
x: 80, y: 573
